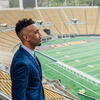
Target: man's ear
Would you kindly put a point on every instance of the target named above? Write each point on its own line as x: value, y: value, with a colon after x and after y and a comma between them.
x: 25, y: 37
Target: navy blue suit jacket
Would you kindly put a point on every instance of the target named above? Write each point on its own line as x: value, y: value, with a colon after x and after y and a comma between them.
x: 26, y: 77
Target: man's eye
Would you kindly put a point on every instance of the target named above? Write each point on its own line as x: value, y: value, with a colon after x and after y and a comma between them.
x: 36, y: 32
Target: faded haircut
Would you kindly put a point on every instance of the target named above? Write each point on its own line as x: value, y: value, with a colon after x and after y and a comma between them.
x: 21, y: 24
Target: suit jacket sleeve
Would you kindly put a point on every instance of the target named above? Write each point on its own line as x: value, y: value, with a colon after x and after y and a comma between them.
x: 19, y: 77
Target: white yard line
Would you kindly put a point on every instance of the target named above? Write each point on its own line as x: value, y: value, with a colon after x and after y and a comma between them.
x: 48, y: 63
x: 65, y: 59
x: 61, y: 58
x: 97, y: 75
x: 93, y: 70
x: 92, y: 66
x: 74, y: 80
x: 63, y: 53
x: 88, y: 74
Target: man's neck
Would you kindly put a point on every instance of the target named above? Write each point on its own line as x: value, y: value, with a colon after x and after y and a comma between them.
x: 28, y: 46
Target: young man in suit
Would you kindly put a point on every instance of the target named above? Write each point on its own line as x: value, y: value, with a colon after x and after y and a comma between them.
x: 26, y: 73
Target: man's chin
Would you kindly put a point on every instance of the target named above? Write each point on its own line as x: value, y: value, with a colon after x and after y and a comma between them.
x: 39, y: 44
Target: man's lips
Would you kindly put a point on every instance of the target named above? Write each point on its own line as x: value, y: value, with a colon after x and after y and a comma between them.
x: 40, y: 40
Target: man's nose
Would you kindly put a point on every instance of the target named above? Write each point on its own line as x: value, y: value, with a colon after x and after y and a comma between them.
x: 40, y: 34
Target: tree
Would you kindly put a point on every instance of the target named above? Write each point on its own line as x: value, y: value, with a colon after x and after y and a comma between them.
x: 96, y: 2
x: 14, y: 3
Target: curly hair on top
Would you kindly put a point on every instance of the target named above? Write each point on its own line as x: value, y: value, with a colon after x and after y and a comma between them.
x: 22, y: 24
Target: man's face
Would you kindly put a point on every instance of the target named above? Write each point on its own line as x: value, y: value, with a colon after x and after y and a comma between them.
x: 33, y: 35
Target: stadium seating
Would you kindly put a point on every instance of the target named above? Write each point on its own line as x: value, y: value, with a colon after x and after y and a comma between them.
x: 5, y: 87
x: 91, y: 19
x: 58, y: 16
x: 5, y: 83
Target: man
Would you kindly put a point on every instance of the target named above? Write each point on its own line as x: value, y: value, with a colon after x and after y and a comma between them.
x: 26, y: 74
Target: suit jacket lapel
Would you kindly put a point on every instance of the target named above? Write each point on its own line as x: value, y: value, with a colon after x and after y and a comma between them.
x: 31, y: 58
x: 34, y: 62
x: 38, y: 62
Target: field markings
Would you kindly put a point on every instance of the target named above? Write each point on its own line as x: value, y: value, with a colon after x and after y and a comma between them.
x: 66, y: 56
x: 91, y: 46
x: 58, y: 52
x: 86, y: 63
x: 90, y: 66
x: 66, y: 70
x: 83, y: 68
x: 65, y: 48
x: 49, y: 63
x: 73, y: 80
x: 75, y: 54
x: 97, y: 75
x: 93, y: 70
x: 77, y: 60
x: 75, y: 49
x: 62, y: 59
x: 78, y: 57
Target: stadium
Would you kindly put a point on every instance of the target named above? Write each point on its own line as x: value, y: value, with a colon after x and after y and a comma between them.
x: 70, y: 48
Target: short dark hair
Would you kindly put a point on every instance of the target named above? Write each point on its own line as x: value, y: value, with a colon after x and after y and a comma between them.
x: 22, y: 24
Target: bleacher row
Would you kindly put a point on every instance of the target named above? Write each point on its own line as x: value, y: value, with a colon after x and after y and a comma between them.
x: 5, y: 87
x: 57, y: 16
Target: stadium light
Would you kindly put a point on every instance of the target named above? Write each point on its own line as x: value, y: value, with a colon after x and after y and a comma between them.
x: 36, y: 4
x: 76, y: 3
x: 92, y: 2
x: 65, y: 3
x: 21, y: 4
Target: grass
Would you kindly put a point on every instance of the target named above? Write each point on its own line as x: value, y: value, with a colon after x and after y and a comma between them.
x: 87, y: 55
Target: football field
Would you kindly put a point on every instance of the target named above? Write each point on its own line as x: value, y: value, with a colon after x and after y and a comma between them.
x: 82, y: 53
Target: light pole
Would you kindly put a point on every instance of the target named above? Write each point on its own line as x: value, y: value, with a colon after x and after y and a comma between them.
x: 65, y: 3
x: 21, y: 4
x: 36, y: 4
x: 76, y: 3
x: 92, y: 2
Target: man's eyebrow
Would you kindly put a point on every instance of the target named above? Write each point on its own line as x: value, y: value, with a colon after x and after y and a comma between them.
x: 36, y: 30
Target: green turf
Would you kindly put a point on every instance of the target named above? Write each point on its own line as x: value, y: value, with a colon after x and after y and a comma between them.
x: 87, y: 54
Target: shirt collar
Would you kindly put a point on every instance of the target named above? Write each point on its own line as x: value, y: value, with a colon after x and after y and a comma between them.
x: 28, y: 50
